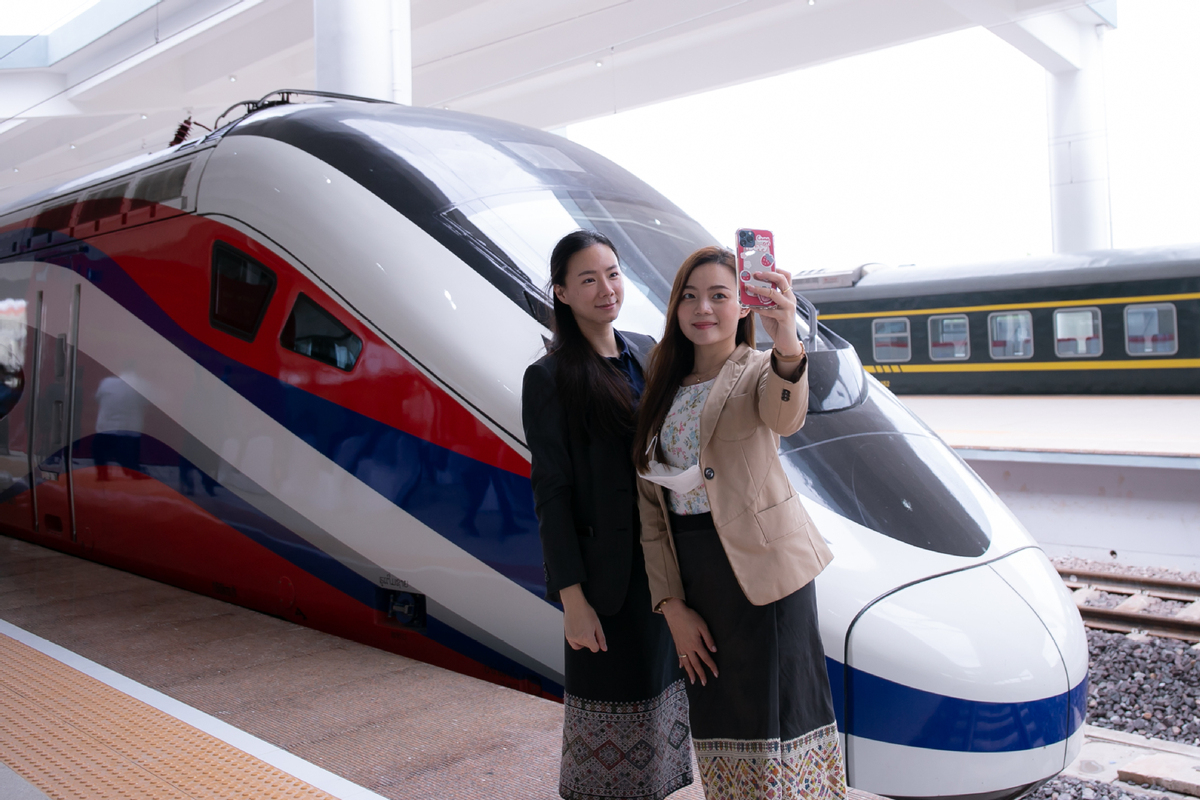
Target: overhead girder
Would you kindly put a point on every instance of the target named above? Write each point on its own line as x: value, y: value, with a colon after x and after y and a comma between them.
x: 524, y: 60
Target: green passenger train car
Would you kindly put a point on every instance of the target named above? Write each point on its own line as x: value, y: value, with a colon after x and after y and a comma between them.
x: 1105, y: 322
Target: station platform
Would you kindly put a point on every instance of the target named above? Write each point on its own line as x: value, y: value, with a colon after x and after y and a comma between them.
x: 113, y: 685
x: 1089, y: 476
x: 1149, y: 426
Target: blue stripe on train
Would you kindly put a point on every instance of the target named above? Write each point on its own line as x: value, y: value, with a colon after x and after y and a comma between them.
x: 405, y: 469
x: 441, y: 488
x: 891, y: 712
x: 161, y: 460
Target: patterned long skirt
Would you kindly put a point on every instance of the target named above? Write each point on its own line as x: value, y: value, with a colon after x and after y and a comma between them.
x: 765, y: 728
x: 625, y: 724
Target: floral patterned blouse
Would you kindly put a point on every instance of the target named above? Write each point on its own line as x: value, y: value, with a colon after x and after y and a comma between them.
x: 680, y: 442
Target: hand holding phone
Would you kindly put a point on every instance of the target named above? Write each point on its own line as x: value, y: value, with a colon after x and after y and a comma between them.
x: 755, y: 253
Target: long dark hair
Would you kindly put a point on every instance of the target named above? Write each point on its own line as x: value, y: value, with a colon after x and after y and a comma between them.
x: 675, y: 356
x: 595, y: 395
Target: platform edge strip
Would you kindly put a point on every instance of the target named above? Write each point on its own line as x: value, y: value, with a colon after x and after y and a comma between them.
x: 319, y: 778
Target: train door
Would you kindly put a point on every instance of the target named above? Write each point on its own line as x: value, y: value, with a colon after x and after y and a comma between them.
x: 51, y: 353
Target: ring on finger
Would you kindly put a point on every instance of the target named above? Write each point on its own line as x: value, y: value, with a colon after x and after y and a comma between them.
x: 682, y: 655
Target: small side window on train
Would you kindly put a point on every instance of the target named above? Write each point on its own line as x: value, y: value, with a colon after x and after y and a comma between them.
x: 1011, y: 334
x: 949, y: 338
x: 1150, y: 330
x: 241, y: 291
x: 312, y: 331
x: 891, y: 340
x: 102, y: 203
x: 164, y: 186
x: 1077, y: 332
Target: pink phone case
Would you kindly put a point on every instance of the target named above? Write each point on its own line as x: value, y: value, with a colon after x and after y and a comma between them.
x: 755, y: 253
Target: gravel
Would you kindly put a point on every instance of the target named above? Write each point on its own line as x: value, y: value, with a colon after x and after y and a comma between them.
x: 1155, y: 605
x: 1149, y: 687
x: 1074, y: 789
x: 1146, y: 685
x: 1105, y: 600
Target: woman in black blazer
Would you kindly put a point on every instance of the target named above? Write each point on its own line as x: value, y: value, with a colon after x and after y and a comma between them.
x: 625, y: 727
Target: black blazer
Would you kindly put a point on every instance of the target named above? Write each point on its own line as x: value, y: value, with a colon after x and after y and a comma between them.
x: 584, y: 489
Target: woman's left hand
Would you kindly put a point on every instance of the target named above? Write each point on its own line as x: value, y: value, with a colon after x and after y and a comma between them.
x: 779, y: 320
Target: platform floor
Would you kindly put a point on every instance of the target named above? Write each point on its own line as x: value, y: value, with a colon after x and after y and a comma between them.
x: 1155, y: 425
x: 397, y: 727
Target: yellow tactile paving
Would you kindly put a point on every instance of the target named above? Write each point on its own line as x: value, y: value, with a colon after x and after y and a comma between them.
x: 72, y: 736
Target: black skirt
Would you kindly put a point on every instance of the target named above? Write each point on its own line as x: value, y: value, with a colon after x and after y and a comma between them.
x: 765, y: 728
x: 625, y: 724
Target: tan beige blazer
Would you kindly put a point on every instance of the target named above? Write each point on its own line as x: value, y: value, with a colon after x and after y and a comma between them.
x: 772, y: 545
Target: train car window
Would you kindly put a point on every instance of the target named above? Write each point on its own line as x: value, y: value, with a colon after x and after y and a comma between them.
x: 160, y: 187
x: 13, y: 328
x: 949, y: 338
x: 56, y: 218
x: 1077, y: 332
x: 1150, y: 330
x: 891, y: 340
x: 101, y: 204
x: 1011, y: 334
x: 241, y: 291
x: 314, y: 332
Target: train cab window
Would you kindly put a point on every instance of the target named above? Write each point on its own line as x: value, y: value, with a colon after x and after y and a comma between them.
x: 892, y: 340
x: 1150, y: 330
x: 948, y: 338
x: 1011, y: 334
x: 1077, y: 332
x: 241, y: 290
x: 314, y: 332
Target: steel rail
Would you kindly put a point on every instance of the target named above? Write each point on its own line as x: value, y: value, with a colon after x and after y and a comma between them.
x: 1127, y: 621
x: 1112, y: 619
x: 1158, y: 587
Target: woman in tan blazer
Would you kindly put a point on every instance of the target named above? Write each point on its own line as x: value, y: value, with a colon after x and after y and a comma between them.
x: 730, y: 551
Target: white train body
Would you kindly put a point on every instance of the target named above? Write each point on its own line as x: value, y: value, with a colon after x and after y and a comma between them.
x: 177, y: 407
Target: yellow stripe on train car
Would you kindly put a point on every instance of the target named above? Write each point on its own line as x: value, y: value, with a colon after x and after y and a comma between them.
x: 1106, y: 301
x: 1038, y: 366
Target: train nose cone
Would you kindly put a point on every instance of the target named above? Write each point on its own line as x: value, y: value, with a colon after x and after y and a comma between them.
x: 978, y: 676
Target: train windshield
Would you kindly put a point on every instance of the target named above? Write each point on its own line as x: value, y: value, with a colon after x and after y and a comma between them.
x: 880, y: 467
x: 526, y: 225
x: 500, y: 196
x: 513, y: 193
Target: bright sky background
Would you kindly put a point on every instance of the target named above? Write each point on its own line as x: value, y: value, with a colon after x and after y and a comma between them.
x: 933, y: 152
x: 32, y: 17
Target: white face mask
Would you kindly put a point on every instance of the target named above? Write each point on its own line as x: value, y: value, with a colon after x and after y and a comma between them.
x: 676, y: 479
x: 680, y: 481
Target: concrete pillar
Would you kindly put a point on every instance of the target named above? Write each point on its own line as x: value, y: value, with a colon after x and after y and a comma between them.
x: 1079, y: 184
x: 401, y: 52
x: 353, y: 43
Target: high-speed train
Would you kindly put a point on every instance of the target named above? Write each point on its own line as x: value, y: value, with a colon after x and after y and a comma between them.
x: 1105, y: 322
x: 281, y: 366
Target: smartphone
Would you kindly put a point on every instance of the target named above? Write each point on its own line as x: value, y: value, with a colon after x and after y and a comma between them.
x: 755, y: 253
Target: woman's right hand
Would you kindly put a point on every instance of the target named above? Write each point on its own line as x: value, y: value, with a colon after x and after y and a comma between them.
x: 693, y: 643
x: 581, y: 626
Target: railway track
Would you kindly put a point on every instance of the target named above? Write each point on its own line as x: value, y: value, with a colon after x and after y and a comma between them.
x: 1130, y: 614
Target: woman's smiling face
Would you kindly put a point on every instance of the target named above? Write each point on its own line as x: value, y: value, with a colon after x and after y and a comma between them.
x: 708, y: 308
x: 593, y: 287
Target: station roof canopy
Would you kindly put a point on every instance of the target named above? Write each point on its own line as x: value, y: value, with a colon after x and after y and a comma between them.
x: 115, y: 79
